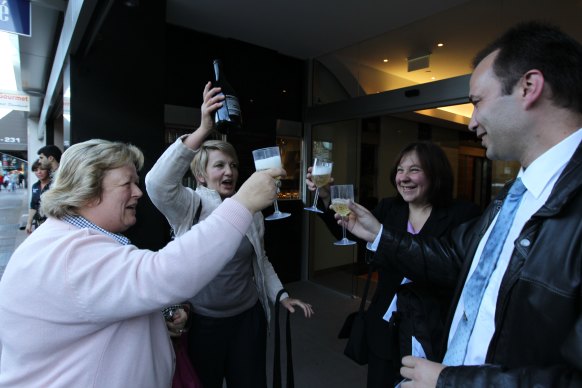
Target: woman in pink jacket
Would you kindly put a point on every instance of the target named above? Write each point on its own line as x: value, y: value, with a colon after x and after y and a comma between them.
x: 79, y: 305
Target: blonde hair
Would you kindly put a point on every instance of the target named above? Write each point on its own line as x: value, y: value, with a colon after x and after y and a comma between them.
x: 200, y: 161
x: 80, y: 175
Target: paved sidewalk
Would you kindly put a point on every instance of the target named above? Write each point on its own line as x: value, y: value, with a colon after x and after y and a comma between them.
x: 13, y: 213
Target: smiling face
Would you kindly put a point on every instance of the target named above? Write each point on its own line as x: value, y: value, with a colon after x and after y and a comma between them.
x: 411, y: 180
x: 115, y: 210
x: 496, y: 117
x: 221, y: 173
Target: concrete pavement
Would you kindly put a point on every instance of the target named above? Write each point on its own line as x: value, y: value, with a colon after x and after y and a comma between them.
x: 13, y: 213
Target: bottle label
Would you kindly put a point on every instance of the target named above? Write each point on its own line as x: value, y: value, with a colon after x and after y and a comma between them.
x: 232, y: 105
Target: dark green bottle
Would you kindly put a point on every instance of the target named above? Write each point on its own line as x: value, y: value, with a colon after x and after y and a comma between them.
x: 228, y: 117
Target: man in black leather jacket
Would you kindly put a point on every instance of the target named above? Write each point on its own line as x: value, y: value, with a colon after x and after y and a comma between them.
x: 527, y: 92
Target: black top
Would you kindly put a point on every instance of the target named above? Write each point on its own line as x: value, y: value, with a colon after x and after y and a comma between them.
x: 35, y: 199
x: 393, y: 212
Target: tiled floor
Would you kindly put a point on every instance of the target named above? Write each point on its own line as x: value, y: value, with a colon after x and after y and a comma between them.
x: 318, y: 356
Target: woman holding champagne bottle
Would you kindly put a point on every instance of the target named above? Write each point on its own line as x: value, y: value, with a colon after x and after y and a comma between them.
x: 229, y: 318
x: 423, y: 178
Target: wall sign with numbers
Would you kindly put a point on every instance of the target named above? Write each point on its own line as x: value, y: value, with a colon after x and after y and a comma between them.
x: 10, y: 140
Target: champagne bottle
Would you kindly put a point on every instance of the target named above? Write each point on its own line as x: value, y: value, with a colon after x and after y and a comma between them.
x: 228, y: 117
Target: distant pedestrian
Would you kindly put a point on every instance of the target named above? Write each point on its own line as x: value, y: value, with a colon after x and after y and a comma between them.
x: 14, y: 179
x: 50, y: 156
x: 7, y: 182
x: 35, y: 218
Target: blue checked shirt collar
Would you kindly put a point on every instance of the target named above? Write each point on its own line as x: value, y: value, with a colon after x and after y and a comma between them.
x: 82, y: 222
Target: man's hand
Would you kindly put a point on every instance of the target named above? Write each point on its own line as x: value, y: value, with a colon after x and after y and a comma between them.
x: 420, y: 372
x: 260, y: 190
x: 361, y: 223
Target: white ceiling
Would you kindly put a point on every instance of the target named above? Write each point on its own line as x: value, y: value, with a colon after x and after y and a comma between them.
x: 356, y: 38
x: 357, y: 33
x: 301, y: 28
x: 363, y: 33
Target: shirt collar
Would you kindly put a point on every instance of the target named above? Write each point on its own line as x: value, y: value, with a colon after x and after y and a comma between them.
x: 550, y: 164
x: 82, y: 222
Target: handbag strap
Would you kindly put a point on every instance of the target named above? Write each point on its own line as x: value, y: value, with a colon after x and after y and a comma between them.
x: 197, y: 215
x: 366, y: 288
x: 277, y: 383
x: 194, y: 221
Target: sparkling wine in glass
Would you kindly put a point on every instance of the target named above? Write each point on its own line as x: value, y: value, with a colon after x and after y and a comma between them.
x: 341, y: 195
x: 320, y: 175
x: 266, y: 158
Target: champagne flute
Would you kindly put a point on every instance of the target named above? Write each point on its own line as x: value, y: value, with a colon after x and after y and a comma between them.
x: 266, y: 158
x: 320, y: 174
x: 341, y: 195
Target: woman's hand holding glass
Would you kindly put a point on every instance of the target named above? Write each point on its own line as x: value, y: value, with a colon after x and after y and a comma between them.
x: 259, y: 190
x: 266, y: 158
x: 318, y: 179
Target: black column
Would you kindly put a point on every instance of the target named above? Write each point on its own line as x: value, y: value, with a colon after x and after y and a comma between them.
x: 117, y: 87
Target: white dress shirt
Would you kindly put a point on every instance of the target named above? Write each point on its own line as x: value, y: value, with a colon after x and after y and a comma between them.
x: 539, y: 179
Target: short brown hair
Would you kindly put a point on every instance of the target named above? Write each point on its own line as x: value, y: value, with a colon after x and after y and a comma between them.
x: 38, y: 165
x: 542, y: 46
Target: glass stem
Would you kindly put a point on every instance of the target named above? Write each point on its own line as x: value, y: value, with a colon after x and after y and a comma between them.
x: 316, y: 196
x: 344, y: 229
x: 276, y: 207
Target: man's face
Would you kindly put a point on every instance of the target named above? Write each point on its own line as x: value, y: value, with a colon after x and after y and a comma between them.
x: 45, y: 161
x: 115, y: 210
x: 496, y: 117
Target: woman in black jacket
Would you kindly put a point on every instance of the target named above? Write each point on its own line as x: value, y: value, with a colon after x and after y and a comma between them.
x: 424, y: 205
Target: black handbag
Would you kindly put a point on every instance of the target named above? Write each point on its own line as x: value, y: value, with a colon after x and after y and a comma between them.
x: 355, y: 323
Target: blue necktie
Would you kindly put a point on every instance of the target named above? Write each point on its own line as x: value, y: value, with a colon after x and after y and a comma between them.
x: 475, y: 287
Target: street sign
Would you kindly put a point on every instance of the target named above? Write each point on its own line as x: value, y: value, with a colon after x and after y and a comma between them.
x: 14, y: 100
x: 15, y: 16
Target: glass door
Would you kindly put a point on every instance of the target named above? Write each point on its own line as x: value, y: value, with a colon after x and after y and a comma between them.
x: 331, y: 265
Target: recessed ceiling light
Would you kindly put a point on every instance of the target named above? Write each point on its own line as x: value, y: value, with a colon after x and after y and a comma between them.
x: 385, y: 60
x: 432, y: 77
x: 440, y: 44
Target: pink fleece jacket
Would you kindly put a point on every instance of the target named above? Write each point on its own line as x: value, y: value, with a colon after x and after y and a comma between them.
x: 77, y: 309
